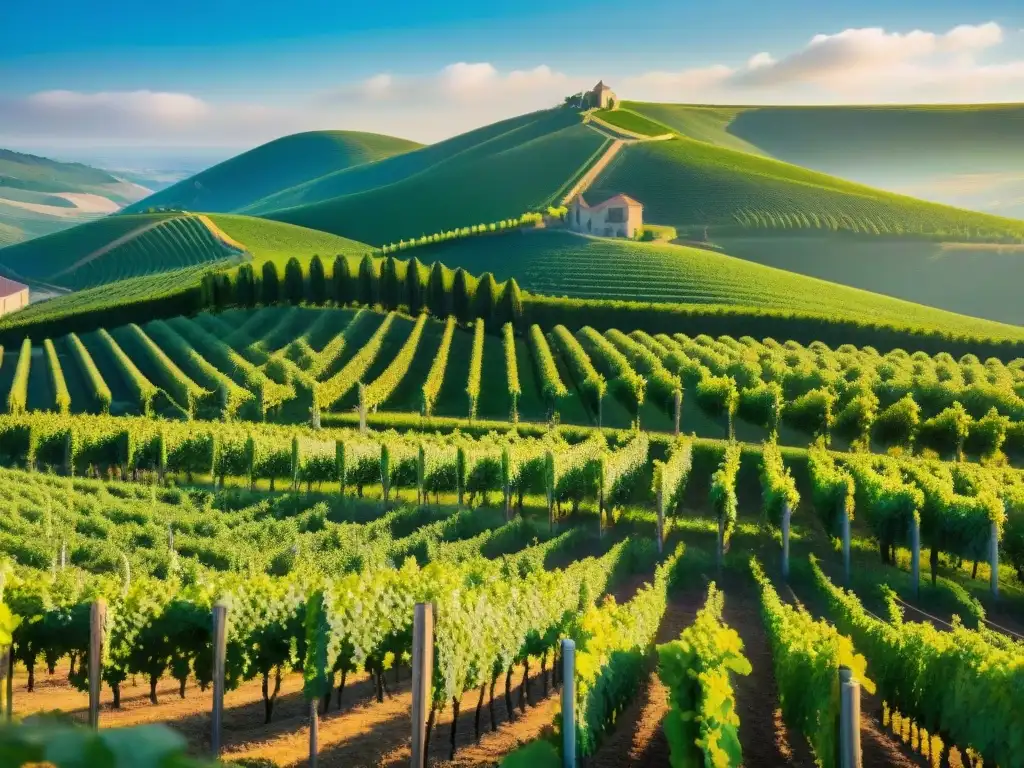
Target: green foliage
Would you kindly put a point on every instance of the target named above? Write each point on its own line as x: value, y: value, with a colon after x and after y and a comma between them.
x: 954, y: 683
x: 368, y: 281
x: 612, y: 643
x: 343, y: 289
x: 67, y: 746
x: 414, y: 290
x: 898, y: 423
x: 17, y: 397
x: 462, y: 296
x: 269, y: 284
x: 439, y: 297
x: 510, y: 305
x: 476, y: 363
x: 390, y: 287
x: 317, y: 281
x: 778, y: 488
x: 536, y: 754
x: 723, y: 490
x: 702, y: 726
x: 486, y: 297
x: 806, y: 655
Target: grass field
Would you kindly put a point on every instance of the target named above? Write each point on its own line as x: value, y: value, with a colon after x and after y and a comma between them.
x: 689, y: 183
x: 968, y: 155
x: 631, y: 121
x: 503, y: 175
x: 274, y: 166
x: 564, y: 264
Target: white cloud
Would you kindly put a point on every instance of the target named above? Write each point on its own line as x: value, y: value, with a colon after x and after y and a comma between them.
x: 856, y: 54
x: 867, y: 65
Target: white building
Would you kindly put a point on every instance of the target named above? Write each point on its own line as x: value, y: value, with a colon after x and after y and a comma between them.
x: 13, y: 296
x: 618, y: 216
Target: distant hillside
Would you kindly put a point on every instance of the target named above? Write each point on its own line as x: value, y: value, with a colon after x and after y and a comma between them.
x: 492, y: 173
x: 692, y: 184
x: 966, y: 155
x: 560, y: 263
x: 39, y: 196
x: 121, y: 247
x: 275, y: 166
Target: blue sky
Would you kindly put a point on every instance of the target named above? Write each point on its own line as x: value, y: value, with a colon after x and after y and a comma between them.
x: 230, y: 74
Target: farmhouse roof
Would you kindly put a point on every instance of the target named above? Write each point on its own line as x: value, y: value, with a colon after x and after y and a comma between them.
x: 619, y: 199
x: 10, y: 287
x: 601, y: 87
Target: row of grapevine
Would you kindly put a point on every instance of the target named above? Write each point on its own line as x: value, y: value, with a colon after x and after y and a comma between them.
x: 380, y: 389
x: 612, y: 644
x: 952, y: 683
x: 435, y: 377
x: 87, y: 367
x: 142, y: 389
x: 233, y: 398
x: 17, y: 398
x: 476, y: 366
x: 337, y: 386
x: 186, y: 392
x: 701, y: 726
x: 508, y: 338
x: 551, y: 384
x: 662, y: 384
x: 589, y: 382
x: 626, y: 383
x: 806, y: 656
x: 723, y: 494
x: 61, y: 396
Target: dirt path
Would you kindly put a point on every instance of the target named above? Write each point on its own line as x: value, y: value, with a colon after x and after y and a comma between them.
x: 594, y: 171
x: 765, y: 739
x: 638, y: 739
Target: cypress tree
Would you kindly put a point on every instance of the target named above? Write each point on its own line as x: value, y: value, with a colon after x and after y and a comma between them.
x: 317, y: 281
x: 269, y: 284
x: 223, y: 291
x: 294, y: 283
x: 245, y: 286
x: 462, y: 297
x: 413, y: 286
x: 438, y: 295
x: 390, y: 288
x: 510, y: 306
x: 486, y: 298
x: 367, y: 281
x: 341, y: 280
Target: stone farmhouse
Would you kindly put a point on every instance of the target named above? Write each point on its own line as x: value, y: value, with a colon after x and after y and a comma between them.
x: 12, y: 296
x: 618, y: 216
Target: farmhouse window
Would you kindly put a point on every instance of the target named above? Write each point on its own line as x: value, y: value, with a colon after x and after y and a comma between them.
x: 616, y: 215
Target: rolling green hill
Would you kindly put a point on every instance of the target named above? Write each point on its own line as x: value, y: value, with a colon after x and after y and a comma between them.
x: 39, y: 196
x: 499, y: 171
x: 276, y: 241
x: 968, y: 155
x: 275, y: 166
x: 692, y: 184
x: 560, y: 263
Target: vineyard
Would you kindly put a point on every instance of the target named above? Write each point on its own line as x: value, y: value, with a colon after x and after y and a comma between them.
x: 545, y: 263
x: 521, y: 498
x: 320, y: 542
x: 278, y: 363
x: 687, y: 183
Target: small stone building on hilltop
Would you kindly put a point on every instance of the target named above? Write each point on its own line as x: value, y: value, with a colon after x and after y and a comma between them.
x: 13, y: 295
x: 618, y: 216
x: 603, y: 97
